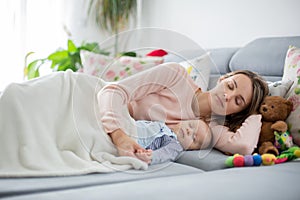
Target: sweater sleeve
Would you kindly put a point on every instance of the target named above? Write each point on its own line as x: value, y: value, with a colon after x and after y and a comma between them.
x: 168, y: 152
x: 114, y: 98
x: 243, y: 141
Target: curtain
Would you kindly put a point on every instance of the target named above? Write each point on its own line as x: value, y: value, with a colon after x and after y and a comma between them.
x: 28, y: 26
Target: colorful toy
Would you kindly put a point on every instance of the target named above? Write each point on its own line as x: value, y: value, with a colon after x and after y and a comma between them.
x: 265, y: 159
x: 241, y: 161
x: 283, y: 140
x: 289, y: 154
x: 268, y: 159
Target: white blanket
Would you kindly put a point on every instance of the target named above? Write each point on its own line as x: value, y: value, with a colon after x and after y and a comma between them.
x: 50, y: 127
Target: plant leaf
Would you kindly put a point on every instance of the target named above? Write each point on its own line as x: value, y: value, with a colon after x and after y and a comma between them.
x: 57, y: 57
x: 33, y: 69
x: 71, y: 46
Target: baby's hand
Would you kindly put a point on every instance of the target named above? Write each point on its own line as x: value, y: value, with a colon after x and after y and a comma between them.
x: 144, y: 155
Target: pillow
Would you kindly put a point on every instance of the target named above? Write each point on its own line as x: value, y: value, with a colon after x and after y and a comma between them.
x: 207, y: 160
x: 93, y: 64
x: 292, y: 72
x: 199, y: 69
x: 279, y: 88
x: 115, y: 69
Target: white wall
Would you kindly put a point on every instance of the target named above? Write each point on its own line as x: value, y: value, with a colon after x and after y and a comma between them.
x: 222, y: 23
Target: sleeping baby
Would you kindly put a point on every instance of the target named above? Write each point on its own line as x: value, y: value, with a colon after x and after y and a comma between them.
x: 163, y: 143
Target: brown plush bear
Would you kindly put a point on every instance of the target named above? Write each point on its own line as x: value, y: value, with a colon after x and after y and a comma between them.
x: 274, y: 111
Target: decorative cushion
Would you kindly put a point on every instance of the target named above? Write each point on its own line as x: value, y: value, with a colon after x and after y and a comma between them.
x: 279, y: 88
x: 115, y: 69
x: 292, y: 72
x: 199, y: 69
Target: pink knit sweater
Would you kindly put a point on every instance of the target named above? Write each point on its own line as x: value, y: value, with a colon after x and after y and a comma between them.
x: 165, y: 93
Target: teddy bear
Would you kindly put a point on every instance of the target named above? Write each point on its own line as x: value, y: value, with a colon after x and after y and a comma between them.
x: 274, y: 111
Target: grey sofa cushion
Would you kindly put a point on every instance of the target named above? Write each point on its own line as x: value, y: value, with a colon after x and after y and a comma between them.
x: 206, y: 160
x: 265, y: 56
x: 221, y: 57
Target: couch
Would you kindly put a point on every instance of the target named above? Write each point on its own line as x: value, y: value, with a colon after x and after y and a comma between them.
x: 196, y: 174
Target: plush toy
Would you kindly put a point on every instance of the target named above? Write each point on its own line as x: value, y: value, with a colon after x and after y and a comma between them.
x: 283, y: 140
x: 274, y: 111
x: 289, y: 154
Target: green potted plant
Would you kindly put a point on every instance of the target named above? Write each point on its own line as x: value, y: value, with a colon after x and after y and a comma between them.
x: 112, y: 15
x: 61, y: 59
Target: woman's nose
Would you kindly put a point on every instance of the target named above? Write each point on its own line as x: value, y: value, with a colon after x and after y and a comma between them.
x: 227, y: 96
x: 189, y: 131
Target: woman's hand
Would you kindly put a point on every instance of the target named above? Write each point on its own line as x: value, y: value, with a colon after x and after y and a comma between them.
x: 124, y: 144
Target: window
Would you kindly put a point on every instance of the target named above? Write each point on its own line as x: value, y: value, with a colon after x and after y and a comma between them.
x: 28, y: 25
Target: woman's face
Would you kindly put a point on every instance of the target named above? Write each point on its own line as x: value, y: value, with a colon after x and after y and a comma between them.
x: 231, y: 95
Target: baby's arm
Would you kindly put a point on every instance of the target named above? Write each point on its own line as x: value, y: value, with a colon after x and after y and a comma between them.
x: 166, y: 153
x: 144, y: 155
x: 165, y: 149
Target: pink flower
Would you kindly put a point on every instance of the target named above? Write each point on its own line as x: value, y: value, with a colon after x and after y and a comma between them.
x: 295, y: 60
x: 91, y: 61
x: 158, y: 62
x: 122, y: 73
x: 137, y: 66
x: 296, y: 101
x: 125, y: 61
x: 110, y: 74
x: 298, y: 72
x: 102, y: 61
x: 94, y: 73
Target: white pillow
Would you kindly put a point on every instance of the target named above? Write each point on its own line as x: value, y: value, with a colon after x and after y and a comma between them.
x: 279, y: 88
x: 199, y: 69
x: 115, y: 69
x: 292, y: 72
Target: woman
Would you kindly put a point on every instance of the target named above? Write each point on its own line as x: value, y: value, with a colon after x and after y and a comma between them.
x: 167, y: 93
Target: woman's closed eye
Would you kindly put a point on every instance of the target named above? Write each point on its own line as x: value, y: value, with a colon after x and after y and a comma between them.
x: 230, y: 85
x: 238, y: 101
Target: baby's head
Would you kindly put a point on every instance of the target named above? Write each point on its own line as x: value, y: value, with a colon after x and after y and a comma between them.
x: 193, y: 134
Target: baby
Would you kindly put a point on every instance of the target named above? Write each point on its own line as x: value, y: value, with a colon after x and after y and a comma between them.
x: 163, y: 143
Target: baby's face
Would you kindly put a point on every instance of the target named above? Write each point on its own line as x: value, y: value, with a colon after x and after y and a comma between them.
x: 193, y: 134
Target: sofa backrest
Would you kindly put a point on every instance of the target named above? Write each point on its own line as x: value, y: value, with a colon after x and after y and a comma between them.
x: 265, y: 56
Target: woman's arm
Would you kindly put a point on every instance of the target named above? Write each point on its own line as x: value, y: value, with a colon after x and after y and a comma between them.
x: 243, y: 141
x: 113, y: 100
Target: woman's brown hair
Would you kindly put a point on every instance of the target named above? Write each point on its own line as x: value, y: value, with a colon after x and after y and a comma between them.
x: 260, y: 91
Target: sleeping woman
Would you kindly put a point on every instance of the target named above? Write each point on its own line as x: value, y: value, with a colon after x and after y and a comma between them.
x: 167, y: 93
